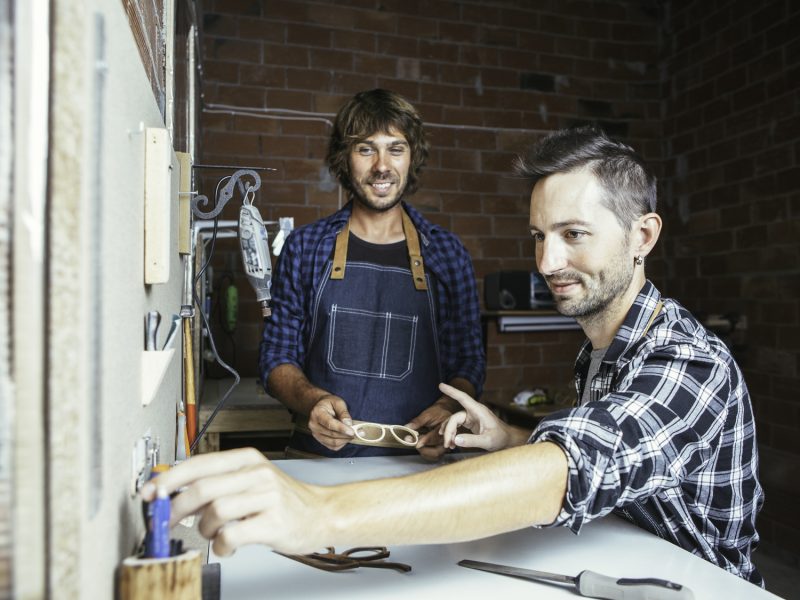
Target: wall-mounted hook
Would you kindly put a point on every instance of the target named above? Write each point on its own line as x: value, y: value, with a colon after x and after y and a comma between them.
x: 226, y: 193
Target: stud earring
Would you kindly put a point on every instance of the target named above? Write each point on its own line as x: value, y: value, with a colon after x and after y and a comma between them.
x: 639, y: 260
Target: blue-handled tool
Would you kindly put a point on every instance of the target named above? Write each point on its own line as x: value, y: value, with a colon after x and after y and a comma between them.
x: 594, y: 585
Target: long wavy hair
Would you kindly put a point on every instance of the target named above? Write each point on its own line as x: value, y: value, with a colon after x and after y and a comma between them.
x: 370, y: 112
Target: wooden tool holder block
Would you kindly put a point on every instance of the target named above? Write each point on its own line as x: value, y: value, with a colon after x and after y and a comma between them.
x: 174, y: 578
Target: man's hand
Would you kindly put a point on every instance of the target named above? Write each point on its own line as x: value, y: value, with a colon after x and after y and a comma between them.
x: 430, y: 444
x: 330, y: 422
x: 243, y: 499
x: 488, y: 431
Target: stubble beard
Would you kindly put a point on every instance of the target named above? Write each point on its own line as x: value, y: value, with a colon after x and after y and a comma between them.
x: 601, y: 290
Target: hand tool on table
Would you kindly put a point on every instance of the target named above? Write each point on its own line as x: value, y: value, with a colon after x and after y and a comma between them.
x: 594, y: 585
x: 363, y: 556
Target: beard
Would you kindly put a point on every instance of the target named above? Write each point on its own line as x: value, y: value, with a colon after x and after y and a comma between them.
x: 385, y: 203
x: 600, y: 290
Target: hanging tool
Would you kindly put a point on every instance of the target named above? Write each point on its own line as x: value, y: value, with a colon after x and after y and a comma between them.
x: 175, y: 325
x: 255, y: 253
x: 152, y: 321
x: 188, y: 361
x: 594, y: 585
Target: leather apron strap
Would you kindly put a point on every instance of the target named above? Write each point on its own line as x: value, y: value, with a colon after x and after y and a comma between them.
x: 656, y: 312
x: 412, y: 242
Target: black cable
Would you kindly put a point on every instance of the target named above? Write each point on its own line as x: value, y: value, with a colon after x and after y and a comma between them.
x: 213, y: 346
x: 225, y: 366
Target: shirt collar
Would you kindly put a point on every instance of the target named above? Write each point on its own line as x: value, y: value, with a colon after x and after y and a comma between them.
x: 636, y: 321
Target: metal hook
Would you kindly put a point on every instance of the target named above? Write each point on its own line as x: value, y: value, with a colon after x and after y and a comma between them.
x: 226, y: 193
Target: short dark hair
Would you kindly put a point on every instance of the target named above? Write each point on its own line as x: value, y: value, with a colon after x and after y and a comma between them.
x: 371, y: 112
x: 629, y: 184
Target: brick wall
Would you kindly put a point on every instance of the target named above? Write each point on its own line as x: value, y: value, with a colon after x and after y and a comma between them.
x: 731, y: 202
x: 486, y: 78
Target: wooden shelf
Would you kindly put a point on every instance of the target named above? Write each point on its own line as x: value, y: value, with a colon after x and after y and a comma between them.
x: 248, y: 409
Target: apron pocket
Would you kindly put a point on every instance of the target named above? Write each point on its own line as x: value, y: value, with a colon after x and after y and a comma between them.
x: 371, y: 344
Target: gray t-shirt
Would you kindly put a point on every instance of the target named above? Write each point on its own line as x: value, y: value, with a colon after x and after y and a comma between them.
x: 594, y: 367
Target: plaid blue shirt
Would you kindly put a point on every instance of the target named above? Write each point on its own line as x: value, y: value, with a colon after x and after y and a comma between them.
x: 667, y: 439
x: 298, y: 275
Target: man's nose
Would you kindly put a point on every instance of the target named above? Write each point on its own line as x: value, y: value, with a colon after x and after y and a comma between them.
x: 550, y: 256
x: 381, y: 164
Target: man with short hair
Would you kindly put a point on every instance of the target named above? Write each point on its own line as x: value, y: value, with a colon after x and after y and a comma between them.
x: 373, y: 305
x: 663, y: 433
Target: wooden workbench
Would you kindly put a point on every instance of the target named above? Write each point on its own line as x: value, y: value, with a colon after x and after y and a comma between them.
x: 248, y: 409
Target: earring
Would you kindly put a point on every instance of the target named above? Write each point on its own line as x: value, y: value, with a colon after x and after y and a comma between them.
x: 639, y: 260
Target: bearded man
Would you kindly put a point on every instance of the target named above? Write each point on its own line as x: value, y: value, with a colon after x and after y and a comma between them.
x: 374, y: 305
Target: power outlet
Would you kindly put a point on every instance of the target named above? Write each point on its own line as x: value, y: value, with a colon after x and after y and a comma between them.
x: 143, y: 457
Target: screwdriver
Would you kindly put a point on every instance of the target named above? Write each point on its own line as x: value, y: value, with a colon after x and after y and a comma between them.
x: 594, y: 585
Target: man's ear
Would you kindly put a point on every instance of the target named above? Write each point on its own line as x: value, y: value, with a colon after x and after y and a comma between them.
x: 646, y: 231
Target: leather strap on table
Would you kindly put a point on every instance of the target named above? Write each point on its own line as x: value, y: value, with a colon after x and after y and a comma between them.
x: 412, y: 243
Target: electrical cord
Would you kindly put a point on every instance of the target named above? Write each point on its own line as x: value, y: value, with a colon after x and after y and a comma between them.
x: 217, y: 358
x: 221, y: 363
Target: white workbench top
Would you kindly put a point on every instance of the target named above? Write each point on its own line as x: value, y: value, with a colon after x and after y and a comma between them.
x: 609, y: 546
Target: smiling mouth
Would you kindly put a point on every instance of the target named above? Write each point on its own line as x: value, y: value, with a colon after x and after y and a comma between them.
x: 381, y: 187
x: 562, y: 287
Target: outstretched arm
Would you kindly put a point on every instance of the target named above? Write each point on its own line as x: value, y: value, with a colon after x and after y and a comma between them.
x: 244, y: 499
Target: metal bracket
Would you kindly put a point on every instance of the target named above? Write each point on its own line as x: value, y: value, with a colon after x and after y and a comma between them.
x: 226, y: 193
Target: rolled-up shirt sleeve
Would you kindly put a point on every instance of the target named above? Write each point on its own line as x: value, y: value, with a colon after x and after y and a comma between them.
x: 652, y: 434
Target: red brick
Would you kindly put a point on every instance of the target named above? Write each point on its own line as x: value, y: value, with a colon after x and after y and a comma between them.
x: 220, y: 25
x: 307, y: 35
x: 261, y: 30
x: 377, y: 21
x: 500, y: 247
x: 237, y: 7
x: 331, y: 59
x: 289, y: 99
x: 308, y: 79
x: 284, y: 11
x: 339, y: 16
x: 355, y: 40
x: 285, y: 56
x: 351, y: 83
x: 238, y: 95
x: 421, y: 28
x: 523, y: 19
x: 465, y: 160
x: 256, y: 124
x: 261, y: 75
x: 221, y: 72
x: 463, y: 116
x: 234, y: 50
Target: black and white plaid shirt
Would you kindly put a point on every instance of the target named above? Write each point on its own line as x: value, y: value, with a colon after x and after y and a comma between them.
x: 667, y: 439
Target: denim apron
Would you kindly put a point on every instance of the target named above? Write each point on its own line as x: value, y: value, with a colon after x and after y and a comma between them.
x: 373, y: 343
